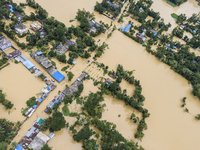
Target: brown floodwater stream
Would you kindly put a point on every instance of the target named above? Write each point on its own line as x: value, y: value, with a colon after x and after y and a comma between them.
x: 169, y: 127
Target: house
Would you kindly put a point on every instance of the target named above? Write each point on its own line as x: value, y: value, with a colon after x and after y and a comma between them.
x: 30, y: 135
x: 34, y: 26
x: 141, y: 10
x: 61, y: 49
x: 19, y: 147
x: 5, y: 43
x: 39, y: 141
x: 13, y: 54
x: 38, y: 123
x: 94, y: 26
x: 140, y: 36
x: 42, y: 33
x: 10, y: 7
x: 21, y: 28
x: 19, y: 16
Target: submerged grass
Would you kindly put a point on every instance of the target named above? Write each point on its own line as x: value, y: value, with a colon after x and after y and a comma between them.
x: 65, y: 110
x: 170, y: 3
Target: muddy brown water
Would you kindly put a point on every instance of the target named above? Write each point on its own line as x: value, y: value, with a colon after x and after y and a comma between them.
x: 169, y: 127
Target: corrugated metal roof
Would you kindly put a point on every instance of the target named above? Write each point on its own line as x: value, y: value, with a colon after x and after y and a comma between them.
x: 28, y: 64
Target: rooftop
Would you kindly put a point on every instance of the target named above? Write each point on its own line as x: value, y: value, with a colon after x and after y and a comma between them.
x: 39, y: 141
x: 20, y: 26
x: 4, y: 40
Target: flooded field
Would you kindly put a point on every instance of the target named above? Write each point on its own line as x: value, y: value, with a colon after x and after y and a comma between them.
x: 169, y: 127
x: 163, y: 90
x: 19, y: 85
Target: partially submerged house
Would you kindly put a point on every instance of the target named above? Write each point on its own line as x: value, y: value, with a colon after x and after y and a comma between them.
x: 47, y: 65
x: 39, y: 141
x: 42, y: 33
x: 127, y: 28
x: 140, y: 36
x: 74, y: 86
x: 61, y: 49
x: 13, y: 54
x: 34, y: 26
x: 94, y: 26
x: 18, y: 15
x: 68, y: 91
x: 21, y: 28
x: 5, y: 43
x: 30, y: 135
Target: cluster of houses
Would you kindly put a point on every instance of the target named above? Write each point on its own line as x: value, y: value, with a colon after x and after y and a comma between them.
x: 68, y: 91
x: 12, y: 9
x: 63, y: 48
x: 94, y: 26
x: 34, y: 139
x: 47, y: 88
x: 5, y: 44
x: 47, y: 65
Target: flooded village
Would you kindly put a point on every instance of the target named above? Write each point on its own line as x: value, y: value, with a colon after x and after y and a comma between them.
x: 104, y: 74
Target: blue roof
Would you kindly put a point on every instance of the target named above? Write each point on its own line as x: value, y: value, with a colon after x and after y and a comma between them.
x: 55, y: 101
x: 127, y: 28
x: 34, y: 106
x: 121, y: 28
x: 40, y: 99
x: 39, y: 53
x: 19, y: 147
x: 155, y: 34
x: 72, y: 43
x: 28, y: 64
x: 175, y: 47
x: 58, y: 76
x: 12, y: 8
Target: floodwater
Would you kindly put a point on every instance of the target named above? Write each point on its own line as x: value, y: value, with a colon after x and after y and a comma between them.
x: 19, y: 85
x: 169, y: 127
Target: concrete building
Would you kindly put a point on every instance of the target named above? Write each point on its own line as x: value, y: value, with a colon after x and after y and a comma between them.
x: 21, y: 28
x: 61, y: 49
x: 5, y: 43
x: 39, y: 141
x: 34, y: 26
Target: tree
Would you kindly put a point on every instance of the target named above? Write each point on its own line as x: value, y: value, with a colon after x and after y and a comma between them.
x: 31, y: 102
x: 70, y: 75
x: 58, y: 121
x: 13, y: 144
x: 62, y: 58
x: 46, y: 147
x: 67, y: 99
x: 3, y: 146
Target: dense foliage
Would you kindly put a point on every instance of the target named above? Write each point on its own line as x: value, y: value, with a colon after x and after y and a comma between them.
x: 4, y: 101
x: 57, y: 122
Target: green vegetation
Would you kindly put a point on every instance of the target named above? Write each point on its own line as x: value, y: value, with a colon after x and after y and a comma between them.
x: 175, y: 16
x: 46, y: 124
x: 4, y: 101
x: 177, y: 2
x: 112, y: 11
x: 7, y: 129
x: 70, y: 75
x: 3, y: 146
x: 57, y: 122
x: 93, y: 106
x: 65, y: 68
x: 65, y: 110
x: 46, y: 147
x: 31, y: 102
x: 170, y: 3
